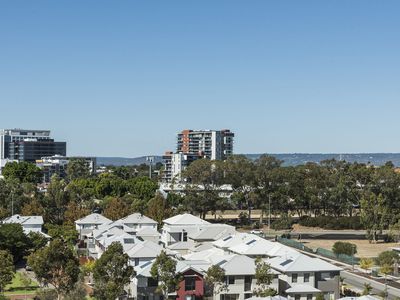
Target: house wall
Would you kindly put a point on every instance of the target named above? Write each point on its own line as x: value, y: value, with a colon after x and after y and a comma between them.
x: 239, y: 287
x: 329, y: 286
x: 198, y: 292
x: 170, y: 233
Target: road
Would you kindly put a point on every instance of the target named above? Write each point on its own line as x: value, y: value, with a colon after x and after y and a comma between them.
x: 377, y: 288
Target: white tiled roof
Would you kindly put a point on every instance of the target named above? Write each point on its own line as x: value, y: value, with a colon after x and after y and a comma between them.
x: 93, y: 219
x: 24, y: 220
x: 137, y: 218
x: 145, y: 249
x: 185, y: 219
x: 212, y: 232
x: 297, y: 262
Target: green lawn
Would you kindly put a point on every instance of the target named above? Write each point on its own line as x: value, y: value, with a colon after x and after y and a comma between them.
x: 16, y: 287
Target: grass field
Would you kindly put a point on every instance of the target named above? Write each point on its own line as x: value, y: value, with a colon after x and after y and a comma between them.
x: 364, y: 248
x: 18, y: 288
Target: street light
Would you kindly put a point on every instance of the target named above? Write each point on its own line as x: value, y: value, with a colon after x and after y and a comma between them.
x: 269, y: 210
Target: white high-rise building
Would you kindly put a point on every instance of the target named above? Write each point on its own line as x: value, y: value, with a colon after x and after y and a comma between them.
x: 212, y: 144
x: 195, y: 144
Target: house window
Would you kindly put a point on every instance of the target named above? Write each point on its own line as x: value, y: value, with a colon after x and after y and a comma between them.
x: 294, y: 278
x: 247, y: 283
x: 248, y: 295
x: 190, y: 283
x: 151, y: 282
x: 306, y: 277
x: 136, y: 261
x: 190, y: 297
x: 309, y: 296
x: 230, y: 279
x: 297, y: 297
x: 184, y: 239
x: 326, y: 275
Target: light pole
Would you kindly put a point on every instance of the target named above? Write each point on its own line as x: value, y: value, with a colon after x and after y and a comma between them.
x: 150, y: 159
x: 269, y: 209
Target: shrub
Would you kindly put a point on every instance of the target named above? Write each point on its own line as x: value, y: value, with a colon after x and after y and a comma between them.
x: 387, y: 258
x: 285, y: 222
x: 344, y: 248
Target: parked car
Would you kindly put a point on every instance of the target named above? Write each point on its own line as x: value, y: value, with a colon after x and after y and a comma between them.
x: 256, y: 231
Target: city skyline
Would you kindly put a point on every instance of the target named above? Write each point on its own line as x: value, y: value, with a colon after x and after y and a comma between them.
x: 123, y: 79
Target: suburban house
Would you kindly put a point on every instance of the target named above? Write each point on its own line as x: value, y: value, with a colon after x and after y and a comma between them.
x: 240, y: 280
x: 178, y: 228
x: 28, y: 223
x: 86, y: 225
x: 303, y: 277
x: 143, y: 252
x: 138, y: 222
x: 192, y: 285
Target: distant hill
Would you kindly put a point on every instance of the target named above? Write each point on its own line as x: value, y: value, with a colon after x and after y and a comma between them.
x: 294, y: 159
x: 290, y: 159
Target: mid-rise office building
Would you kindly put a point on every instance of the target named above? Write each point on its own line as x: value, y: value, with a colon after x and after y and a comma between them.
x: 212, y: 144
x: 195, y: 144
x: 28, y: 145
x: 8, y: 136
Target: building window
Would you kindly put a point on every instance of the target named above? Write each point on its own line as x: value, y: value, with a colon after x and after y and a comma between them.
x: 230, y: 279
x: 306, y: 277
x: 294, y: 278
x: 151, y: 282
x: 309, y: 296
x: 247, y: 283
x: 136, y: 261
x: 184, y: 239
x: 190, y: 283
x: 297, y: 297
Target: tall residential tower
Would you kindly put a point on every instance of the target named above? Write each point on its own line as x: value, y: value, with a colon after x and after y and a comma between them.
x: 195, y: 144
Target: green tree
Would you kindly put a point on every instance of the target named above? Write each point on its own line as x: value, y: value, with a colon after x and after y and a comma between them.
x: 57, y: 265
x: 116, y: 209
x: 374, y: 215
x: 215, y: 279
x: 6, y: 269
x: 22, y: 171
x: 344, y: 248
x: 67, y: 233
x: 164, y: 270
x: 77, y: 168
x: 37, y: 240
x: 386, y: 259
x: 13, y: 239
x: 264, y: 279
x: 240, y: 172
x: 203, y: 180
x: 111, y: 273
x: 158, y: 209
x: 56, y: 201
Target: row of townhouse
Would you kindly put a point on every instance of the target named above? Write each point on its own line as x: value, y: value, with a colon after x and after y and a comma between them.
x: 196, y: 245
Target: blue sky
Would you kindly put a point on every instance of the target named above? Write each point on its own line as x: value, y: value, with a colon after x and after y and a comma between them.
x: 121, y: 78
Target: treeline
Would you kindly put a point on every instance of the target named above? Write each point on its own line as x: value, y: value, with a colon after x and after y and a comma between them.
x: 114, y: 193
x: 332, y: 192
x: 334, y: 189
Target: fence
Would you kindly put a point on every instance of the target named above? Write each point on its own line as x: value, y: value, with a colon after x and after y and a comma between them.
x: 320, y: 251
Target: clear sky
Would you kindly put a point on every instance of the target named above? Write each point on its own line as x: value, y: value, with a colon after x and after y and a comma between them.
x: 121, y: 78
